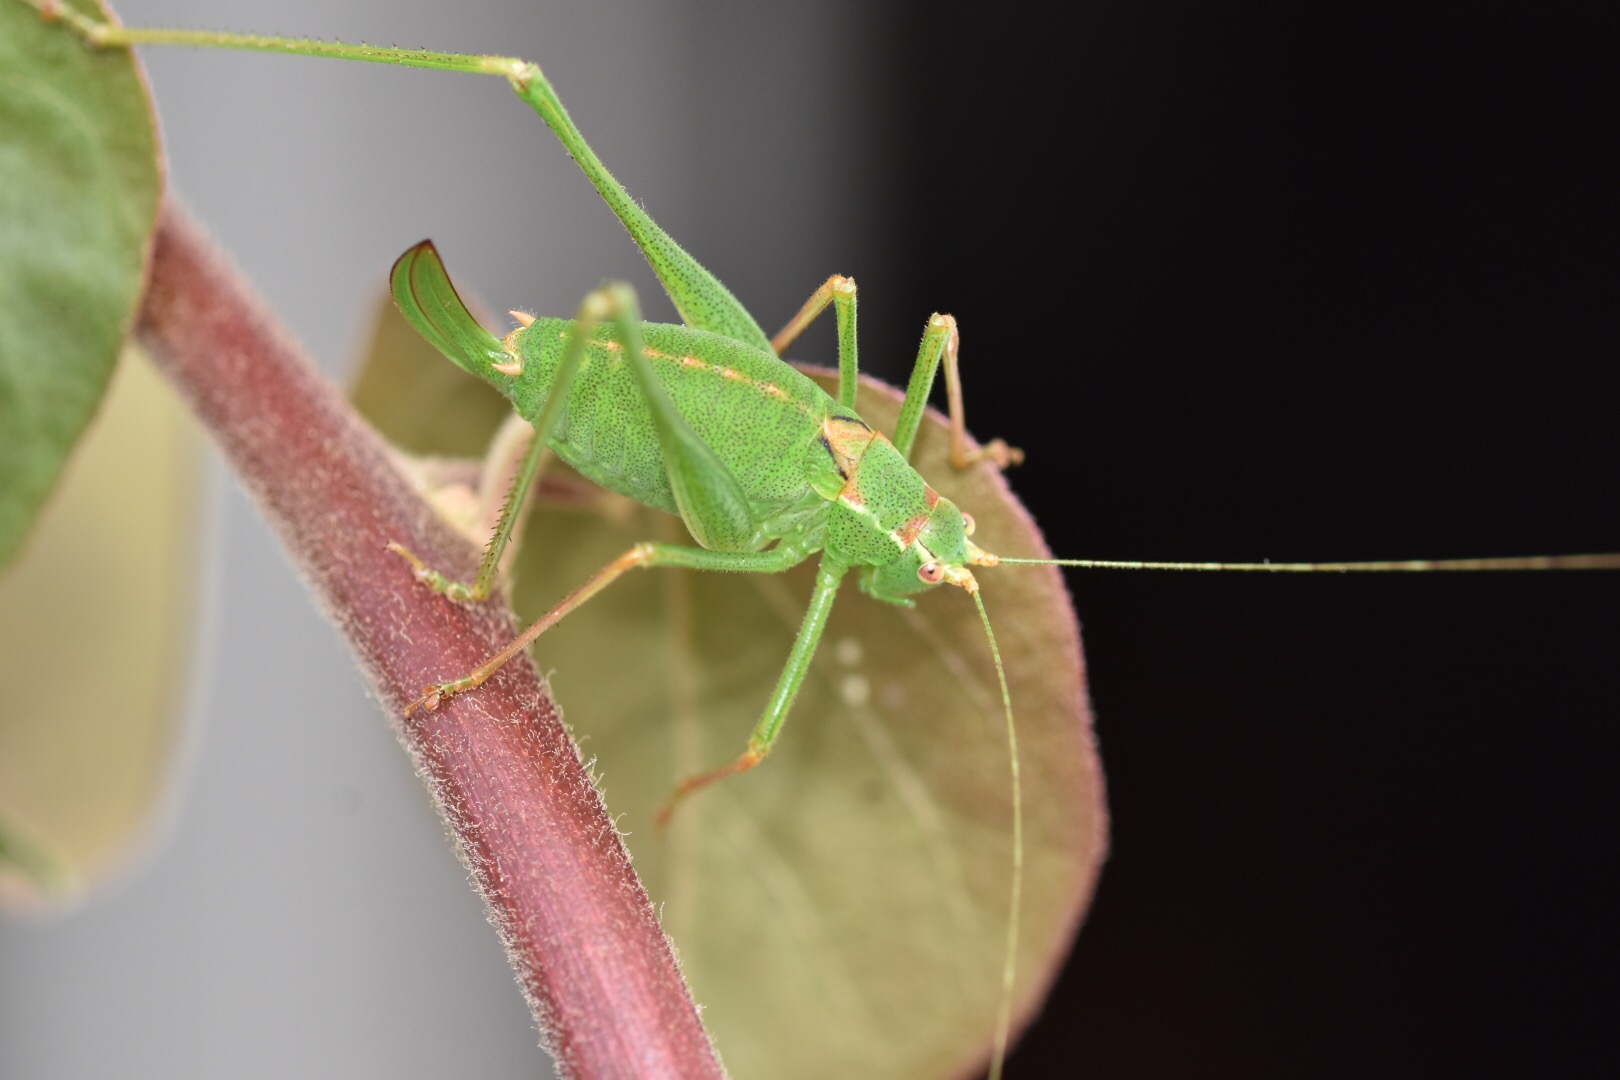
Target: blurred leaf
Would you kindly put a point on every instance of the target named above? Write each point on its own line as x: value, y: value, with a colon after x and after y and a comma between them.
x: 79, y: 183
x: 27, y: 869
x: 96, y: 628
x: 841, y: 910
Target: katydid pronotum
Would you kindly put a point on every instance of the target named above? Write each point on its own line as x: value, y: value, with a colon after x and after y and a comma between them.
x: 974, y: 337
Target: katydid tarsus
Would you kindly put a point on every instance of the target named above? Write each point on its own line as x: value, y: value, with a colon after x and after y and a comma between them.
x: 705, y: 310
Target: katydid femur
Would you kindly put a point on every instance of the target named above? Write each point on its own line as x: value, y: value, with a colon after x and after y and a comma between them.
x: 705, y: 421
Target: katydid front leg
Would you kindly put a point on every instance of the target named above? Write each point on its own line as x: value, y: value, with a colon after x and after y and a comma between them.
x: 828, y: 577
x: 941, y: 339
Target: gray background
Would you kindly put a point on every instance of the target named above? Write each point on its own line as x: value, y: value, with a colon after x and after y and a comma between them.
x: 305, y: 916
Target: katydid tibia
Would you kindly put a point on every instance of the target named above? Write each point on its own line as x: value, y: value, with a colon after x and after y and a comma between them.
x: 705, y: 421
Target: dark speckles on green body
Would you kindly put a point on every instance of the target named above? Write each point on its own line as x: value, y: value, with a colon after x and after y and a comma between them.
x: 886, y: 493
x: 759, y: 415
x: 766, y: 422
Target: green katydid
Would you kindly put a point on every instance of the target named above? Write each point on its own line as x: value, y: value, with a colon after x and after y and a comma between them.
x: 700, y: 305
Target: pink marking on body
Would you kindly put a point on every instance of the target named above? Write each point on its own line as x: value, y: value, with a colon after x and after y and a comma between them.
x: 769, y: 389
x: 848, y: 440
x: 912, y: 529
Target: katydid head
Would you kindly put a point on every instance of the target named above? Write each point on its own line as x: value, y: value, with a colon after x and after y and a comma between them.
x: 938, y: 553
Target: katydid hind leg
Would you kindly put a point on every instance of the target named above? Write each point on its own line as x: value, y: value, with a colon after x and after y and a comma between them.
x: 703, y: 302
x: 711, y: 500
x: 700, y: 297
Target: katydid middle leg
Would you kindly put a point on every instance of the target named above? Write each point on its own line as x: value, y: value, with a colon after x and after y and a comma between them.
x: 780, y: 558
x: 839, y: 291
x: 941, y: 340
x: 829, y: 576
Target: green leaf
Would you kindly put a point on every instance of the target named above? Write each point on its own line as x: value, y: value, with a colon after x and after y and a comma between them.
x: 96, y: 624
x: 80, y: 178
x: 840, y: 910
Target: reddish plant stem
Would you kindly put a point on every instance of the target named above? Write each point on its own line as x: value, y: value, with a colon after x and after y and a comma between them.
x: 576, y: 922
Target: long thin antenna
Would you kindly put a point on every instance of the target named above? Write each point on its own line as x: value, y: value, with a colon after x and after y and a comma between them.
x: 1009, y: 966
x: 1525, y: 562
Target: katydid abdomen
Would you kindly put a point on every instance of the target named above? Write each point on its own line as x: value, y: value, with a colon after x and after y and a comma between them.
x: 804, y: 463
x: 763, y: 419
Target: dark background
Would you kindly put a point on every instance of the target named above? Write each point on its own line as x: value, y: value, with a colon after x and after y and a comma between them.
x: 1307, y: 288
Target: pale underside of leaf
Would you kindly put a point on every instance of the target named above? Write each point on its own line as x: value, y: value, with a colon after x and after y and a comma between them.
x: 97, y: 627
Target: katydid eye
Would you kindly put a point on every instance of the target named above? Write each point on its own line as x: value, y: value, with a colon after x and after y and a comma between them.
x: 931, y: 573
x: 968, y: 524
